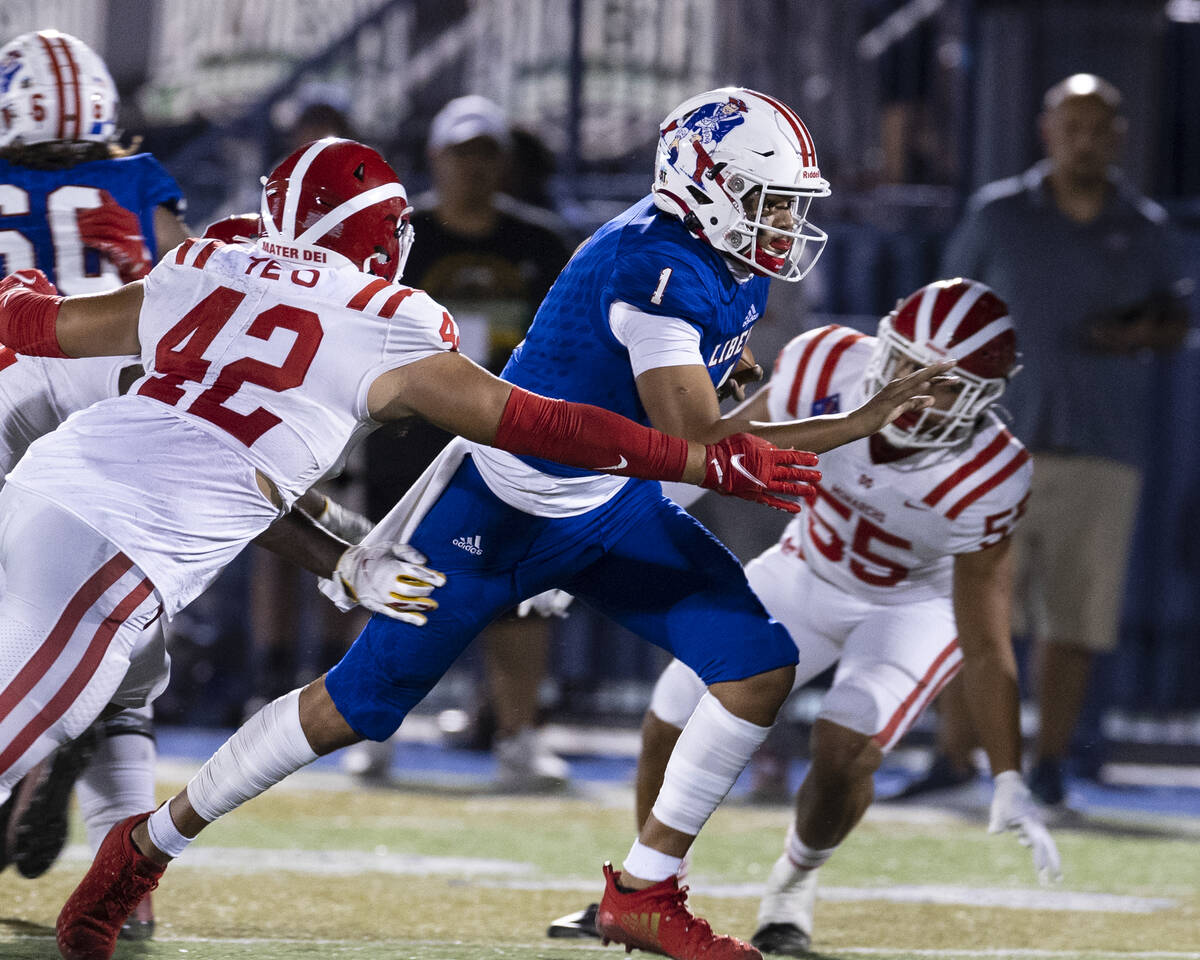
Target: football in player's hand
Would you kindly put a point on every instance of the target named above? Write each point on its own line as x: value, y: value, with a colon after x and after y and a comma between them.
x: 745, y: 371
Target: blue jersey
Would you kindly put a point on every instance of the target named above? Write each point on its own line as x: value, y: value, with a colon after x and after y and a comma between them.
x: 38, y: 209
x: 648, y: 260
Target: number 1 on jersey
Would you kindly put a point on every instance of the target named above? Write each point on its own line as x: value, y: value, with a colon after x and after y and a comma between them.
x: 656, y: 297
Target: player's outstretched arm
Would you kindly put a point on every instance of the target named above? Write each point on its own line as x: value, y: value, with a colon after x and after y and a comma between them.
x: 35, y: 320
x: 386, y: 578
x: 680, y: 400
x: 819, y: 434
x: 982, y: 599
x: 460, y: 396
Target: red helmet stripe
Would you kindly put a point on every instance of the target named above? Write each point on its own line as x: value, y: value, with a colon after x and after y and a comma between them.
x: 949, y: 305
x: 808, y: 153
x: 73, y: 80
x: 58, y: 82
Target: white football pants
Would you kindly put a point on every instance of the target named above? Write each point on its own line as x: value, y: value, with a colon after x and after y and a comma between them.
x: 72, y: 611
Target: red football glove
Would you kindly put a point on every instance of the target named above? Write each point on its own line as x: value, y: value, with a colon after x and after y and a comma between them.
x: 29, y: 307
x: 749, y: 467
x: 32, y: 279
x: 117, y: 234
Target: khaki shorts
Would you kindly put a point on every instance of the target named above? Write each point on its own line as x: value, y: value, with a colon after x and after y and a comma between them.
x: 1072, y: 548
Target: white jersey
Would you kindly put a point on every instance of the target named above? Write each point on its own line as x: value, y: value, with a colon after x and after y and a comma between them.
x: 252, y: 364
x: 888, y: 532
x: 39, y: 393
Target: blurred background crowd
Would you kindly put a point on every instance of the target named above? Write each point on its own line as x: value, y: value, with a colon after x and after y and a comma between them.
x: 912, y: 104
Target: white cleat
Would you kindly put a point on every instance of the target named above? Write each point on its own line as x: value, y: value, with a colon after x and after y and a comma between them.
x: 785, y: 915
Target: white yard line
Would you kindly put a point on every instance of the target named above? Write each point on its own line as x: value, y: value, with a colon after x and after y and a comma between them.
x: 516, y: 875
x: 576, y: 945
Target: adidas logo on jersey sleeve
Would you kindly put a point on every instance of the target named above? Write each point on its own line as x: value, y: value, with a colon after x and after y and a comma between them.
x: 471, y: 544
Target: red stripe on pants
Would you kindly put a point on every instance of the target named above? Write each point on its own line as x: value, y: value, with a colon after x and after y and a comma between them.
x: 885, y: 735
x: 81, y: 675
x: 91, y: 591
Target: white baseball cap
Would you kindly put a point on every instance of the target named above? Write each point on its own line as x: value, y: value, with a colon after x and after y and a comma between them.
x: 465, y: 118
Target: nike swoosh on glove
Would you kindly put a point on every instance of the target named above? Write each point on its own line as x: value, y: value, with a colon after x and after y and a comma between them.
x: 32, y: 279
x: 749, y: 467
x: 1013, y: 809
x: 117, y: 234
x: 386, y: 578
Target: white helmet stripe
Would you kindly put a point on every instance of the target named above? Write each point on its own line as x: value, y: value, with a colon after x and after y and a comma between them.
x: 976, y: 340
x: 345, y: 210
x: 924, y: 314
x: 960, y: 309
x: 287, y: 229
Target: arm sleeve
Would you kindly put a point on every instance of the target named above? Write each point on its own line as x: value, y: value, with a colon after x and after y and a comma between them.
x: 581, y: 435
x: 654, y: 341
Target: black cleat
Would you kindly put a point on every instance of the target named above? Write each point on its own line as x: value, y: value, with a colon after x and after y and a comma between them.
x: 37, y: 829
x: 782, y: 938
x: 140, y: 924
x: 1045, y: 782
x: 579, y: 925
x: 941, y: 775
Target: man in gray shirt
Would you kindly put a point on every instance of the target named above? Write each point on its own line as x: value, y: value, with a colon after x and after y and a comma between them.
x: 1095, y: 285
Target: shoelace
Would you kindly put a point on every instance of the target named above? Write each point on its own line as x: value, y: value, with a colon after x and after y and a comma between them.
x: 696, y: 930
x: 123, y: 895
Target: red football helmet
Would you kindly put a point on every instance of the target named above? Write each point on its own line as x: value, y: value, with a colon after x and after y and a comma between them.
x: 337, y: 201
x: 956, y: 318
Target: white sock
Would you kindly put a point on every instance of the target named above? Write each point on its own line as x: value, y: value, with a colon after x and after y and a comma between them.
x: 646, y: 863
x: 712, y: 751
x: 164, y: 834
x: 803, y: 856
x: 117, y: 783
x: 264, y: 750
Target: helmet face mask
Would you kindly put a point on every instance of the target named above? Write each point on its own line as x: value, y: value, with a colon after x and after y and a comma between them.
x: 951, y: 318
x: 337, y: 201
x: 55, y: 88
x: 725, y: 158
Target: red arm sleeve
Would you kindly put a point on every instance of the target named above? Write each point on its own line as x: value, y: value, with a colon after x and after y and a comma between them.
x: 27, y: 316
x: 582, y: 435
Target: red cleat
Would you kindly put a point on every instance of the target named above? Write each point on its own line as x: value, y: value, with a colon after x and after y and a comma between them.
x: 657, y: 920
x: 118, y: 880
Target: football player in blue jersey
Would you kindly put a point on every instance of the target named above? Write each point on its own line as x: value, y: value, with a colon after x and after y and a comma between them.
x: 87, y: 212
x: 91, y: 215
x: 647, y: 320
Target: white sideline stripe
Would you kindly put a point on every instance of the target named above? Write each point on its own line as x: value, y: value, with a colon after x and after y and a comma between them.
x: 334, y: 863
x: 1000, y: 897
x: 514, y: 875
x: 1004, y: 952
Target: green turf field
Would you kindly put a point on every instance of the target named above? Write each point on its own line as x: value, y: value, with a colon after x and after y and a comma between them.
x: 332, y: 872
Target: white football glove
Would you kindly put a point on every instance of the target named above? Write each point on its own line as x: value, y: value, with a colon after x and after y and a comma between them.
x: 1013, y: 809
x: 343, y: 522
x: 387, y: 578
x: 548, y: 603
